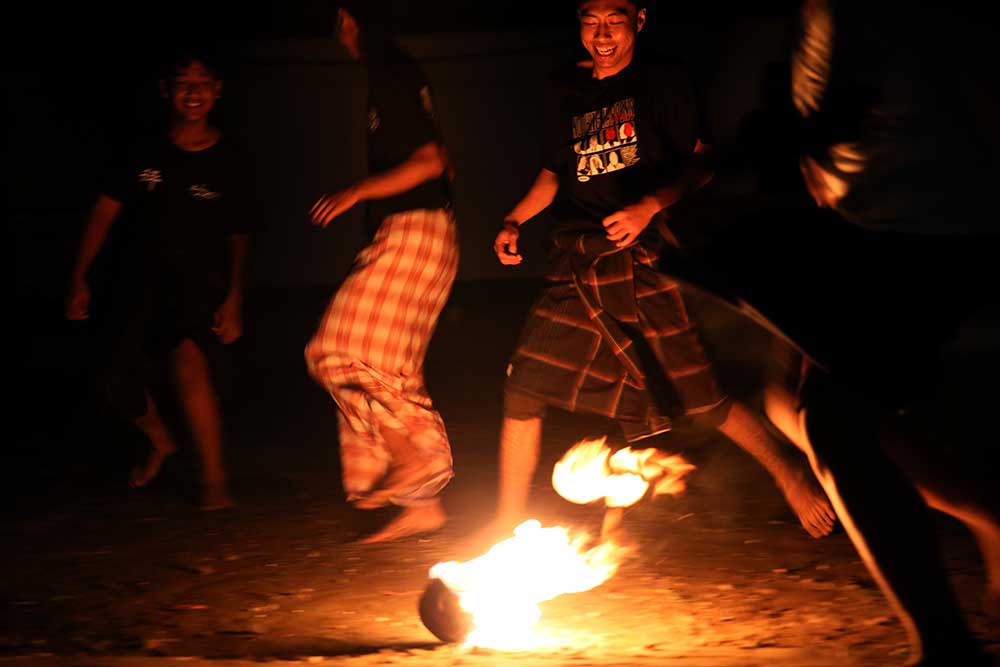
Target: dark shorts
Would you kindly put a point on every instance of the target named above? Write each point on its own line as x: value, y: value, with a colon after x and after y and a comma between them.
x: 149, y: 322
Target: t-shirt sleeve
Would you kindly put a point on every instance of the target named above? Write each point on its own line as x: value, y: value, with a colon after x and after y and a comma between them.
x: 118, y: 178
x: 409, y: 114
x: 679, y: 117
x: 554, y: 134
x: 242, y: 216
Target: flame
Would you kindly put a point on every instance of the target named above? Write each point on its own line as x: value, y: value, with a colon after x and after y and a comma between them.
x: 502, y: 588
x: 589, y: 472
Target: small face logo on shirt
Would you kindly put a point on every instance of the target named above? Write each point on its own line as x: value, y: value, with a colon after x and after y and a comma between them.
x: 200, y: 191
x: 150, y: 177
x: 373, y: 120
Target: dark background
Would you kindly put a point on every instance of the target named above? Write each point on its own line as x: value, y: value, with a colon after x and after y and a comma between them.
x: 80, y: 83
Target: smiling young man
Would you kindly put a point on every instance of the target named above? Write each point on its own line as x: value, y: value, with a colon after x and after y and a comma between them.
x: 180, y: 287
x: 610, y: 334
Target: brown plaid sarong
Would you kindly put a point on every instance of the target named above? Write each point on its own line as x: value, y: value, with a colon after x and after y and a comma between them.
x: 369, y: 353
x: 611, y: 336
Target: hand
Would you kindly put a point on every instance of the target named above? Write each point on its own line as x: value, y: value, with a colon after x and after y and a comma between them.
x: 505, y: 245
x: 78, y: 301
x: 228, y: 321
x: 624, y: 226
x: 330, y: 206
x: 826, y: 188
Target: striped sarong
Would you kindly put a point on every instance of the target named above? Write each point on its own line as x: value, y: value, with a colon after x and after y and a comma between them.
x: 369, y: 352
x: 611, y: 336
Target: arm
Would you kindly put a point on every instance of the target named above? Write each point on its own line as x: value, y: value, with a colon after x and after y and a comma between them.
x: 95, y: 232
x: 542, y: 193
x: 229, y: 316
x: 624, y: 226
x: 426, y: 163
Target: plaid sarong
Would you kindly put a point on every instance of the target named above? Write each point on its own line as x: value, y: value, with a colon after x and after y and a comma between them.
x: 611, y: 336
x: 369, y: 352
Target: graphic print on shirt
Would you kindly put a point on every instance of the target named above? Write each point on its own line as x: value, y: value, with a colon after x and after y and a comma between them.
x: 200, y: 191
x: 150, y: 177
x: 605, y: 140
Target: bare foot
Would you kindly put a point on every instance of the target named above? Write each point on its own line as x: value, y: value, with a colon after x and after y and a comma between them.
x: 143, y: 474
x: 216, y: 498
x: 411, y: 521
x: 810, y: 504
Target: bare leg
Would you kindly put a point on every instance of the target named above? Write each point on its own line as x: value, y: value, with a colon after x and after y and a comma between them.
x: 950, y: 484
x: 197, y: 395
x: 162, y: 444
x: 520, y: 445
x: 791, y: 473
x: 886, y: 520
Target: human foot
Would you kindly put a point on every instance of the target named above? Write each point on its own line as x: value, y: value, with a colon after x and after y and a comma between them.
x: 216, y: 498
x: 810, y: 504
x: 144, y: 473
x: 415, y: 520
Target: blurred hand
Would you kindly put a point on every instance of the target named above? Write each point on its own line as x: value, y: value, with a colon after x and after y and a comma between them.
x: 505, y: 245
x: 78, y: 301
x: 330, y: 206
x: 228, y: 322
x: 623, y: 227
x: 826, y: 188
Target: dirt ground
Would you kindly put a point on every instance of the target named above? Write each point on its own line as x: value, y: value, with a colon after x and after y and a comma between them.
x: 98, y: 574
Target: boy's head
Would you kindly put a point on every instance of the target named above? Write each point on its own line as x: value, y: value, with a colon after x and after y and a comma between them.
x: 608, y: 30
x: 191, y: 82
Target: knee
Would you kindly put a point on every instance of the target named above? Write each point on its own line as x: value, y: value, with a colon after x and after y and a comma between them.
x: 520, y: 406
x: 190, y: 366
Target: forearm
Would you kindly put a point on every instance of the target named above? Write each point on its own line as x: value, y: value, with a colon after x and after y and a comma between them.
x: 425, y: 164
x: 239, y: 248
x: 693, y: 177
x: 95, y: 232
x: 541, y: 194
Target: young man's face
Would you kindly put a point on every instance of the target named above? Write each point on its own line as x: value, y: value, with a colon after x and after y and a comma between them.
x: 193, y: 91
x: 608, y: 29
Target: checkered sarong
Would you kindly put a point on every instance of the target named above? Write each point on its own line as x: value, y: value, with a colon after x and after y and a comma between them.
x: 369, y: 352
x: 611, y: 336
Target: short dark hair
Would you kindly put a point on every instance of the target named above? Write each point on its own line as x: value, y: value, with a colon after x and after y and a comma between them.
x: 638, y: 4
x: 181, y: 56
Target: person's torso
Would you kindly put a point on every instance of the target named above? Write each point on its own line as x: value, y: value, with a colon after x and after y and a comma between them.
x: 614, y: 145
x: 401, y: 119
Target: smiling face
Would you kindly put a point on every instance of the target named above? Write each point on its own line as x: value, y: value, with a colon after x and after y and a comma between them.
x: 608, y: 29
x: 192, y: 91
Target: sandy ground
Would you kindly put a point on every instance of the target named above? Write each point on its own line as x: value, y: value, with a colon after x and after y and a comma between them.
x: 98, y: 574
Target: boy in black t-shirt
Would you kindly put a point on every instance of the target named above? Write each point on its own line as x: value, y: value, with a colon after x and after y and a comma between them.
x: 182, y: 284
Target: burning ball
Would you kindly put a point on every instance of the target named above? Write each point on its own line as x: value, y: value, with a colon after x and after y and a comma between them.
x: 442, y: 613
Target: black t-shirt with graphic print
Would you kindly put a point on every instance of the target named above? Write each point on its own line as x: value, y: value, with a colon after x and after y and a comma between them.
x: 400, y: 120
x: 612, y: 141
x: 181, y: 207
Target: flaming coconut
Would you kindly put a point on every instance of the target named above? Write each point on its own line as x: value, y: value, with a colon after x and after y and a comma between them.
x: 492, y: 601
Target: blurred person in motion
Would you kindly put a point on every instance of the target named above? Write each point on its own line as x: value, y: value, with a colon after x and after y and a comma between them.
x: 369, y: 349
